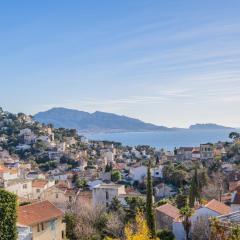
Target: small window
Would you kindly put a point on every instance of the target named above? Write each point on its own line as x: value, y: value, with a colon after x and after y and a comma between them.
x: 70, y: 198
x: 107, y: 195
x: 56, y: 195
x: 38, y: 227
x: 24, y: 186
x: 38, y: 190
x: 42, y: 226
x: 63, y: 235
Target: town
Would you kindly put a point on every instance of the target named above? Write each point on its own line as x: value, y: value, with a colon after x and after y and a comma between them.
x: 69, y: 187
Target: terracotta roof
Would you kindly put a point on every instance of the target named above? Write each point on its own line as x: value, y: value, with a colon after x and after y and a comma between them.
x: 39, y: 183
x: 3, y: 169
x: 218, y: 207
x: 32, y: 214
x: 169, y: 210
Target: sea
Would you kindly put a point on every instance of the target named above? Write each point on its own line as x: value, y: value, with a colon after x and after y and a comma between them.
x: 165, y: 139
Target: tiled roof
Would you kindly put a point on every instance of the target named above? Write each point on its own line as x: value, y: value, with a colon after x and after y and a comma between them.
x: 32, y: 214
x: 3, y: 169
x: 218, y: 207
x: 39, y: 183
x: 169, y: 210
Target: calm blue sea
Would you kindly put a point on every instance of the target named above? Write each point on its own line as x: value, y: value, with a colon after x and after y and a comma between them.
x: 165, y: 139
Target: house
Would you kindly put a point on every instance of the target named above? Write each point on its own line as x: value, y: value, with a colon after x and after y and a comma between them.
x: 163, y: 190
x: 39, y: 186
x: 43, y: 219
x: 8, y: 174
x: 138, y: 173
x: 61, y: 195
x: 196, y: 155
x: 235, y: 200
x: 184, y: 153
x: 104, y: 193
x: 165, y: 216
x: 21, y: 187
x: 228, y: 222
x: 211, y: 209
x: 206, y: 151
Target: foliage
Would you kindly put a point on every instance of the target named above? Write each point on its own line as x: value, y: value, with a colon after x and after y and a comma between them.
x: 139, y: 230
x: 194, y: 193
x: 181, y: 200
x: 165, y: 234
x: 108, y: 167
x: 149, y: 204
x: 115, y: 176
x: 224, y: 232
x: 186, y: 212
x: 70, y: 220
x: 201, y: 228
x: 8, y: 216
x: 135, y: 204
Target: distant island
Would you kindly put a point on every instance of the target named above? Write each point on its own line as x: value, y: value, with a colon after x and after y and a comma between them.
x: 208, y: 126
x: 98, y: 121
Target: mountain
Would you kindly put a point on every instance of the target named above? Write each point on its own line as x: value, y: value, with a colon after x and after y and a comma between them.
x: 94, y: 122
x: 208, y: 126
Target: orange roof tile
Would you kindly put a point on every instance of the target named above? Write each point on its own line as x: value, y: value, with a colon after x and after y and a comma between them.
x: 39, y: 183
x: 218, y: 207
x: 3, y: 169
x: 32, y: 214
x: 169, y: 210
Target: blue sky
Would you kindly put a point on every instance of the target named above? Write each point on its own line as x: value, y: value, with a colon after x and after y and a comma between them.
x: 171, y: 63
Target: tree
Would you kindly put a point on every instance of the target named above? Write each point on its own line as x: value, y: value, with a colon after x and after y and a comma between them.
x: 149, y: 204
x: 8, y: 215
x: 234, y: 135
x: 201, y: 228
x: 115, y: 176
x: 135, y: 204
x: 142, y: 231
x: 165, y: 234
x: 186, y: 213
x: 108, y: 167
x: 138, y: 230
x: 181, y: 200
x: 194, y: 193
x: 70, y: 220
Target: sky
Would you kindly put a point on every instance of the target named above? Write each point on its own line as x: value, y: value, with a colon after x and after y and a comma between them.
x: 171, y: 63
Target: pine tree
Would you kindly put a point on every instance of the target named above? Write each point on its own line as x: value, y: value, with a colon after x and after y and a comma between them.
x: 194, y: 193
x: 149, y: 204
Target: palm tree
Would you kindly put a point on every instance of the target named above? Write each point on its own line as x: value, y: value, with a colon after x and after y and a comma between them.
x: 186, y: 213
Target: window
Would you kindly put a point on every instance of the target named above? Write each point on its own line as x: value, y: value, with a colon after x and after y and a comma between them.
x: 107, y: 195
x: 63, y: 235
x: 24, y: 186
x: 70, y: 198
x: 38, y: 190
x: 38, y: 227
x: 56, y: 195
x: 42, y: 226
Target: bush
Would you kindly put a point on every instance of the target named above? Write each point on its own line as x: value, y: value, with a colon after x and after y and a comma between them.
x: 8, y: 215
x: 165, y: 234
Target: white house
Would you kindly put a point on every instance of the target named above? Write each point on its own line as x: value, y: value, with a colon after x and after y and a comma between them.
x: 138, y: 173
x: 104, y: 193
x: 21, y: 187
x: 213, y: 208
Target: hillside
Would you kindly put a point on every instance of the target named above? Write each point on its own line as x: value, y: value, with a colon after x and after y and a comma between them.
x: 94, y: 122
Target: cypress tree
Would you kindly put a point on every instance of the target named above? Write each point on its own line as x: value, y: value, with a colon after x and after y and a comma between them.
x: 194, y: 193
x: 149, y: 204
